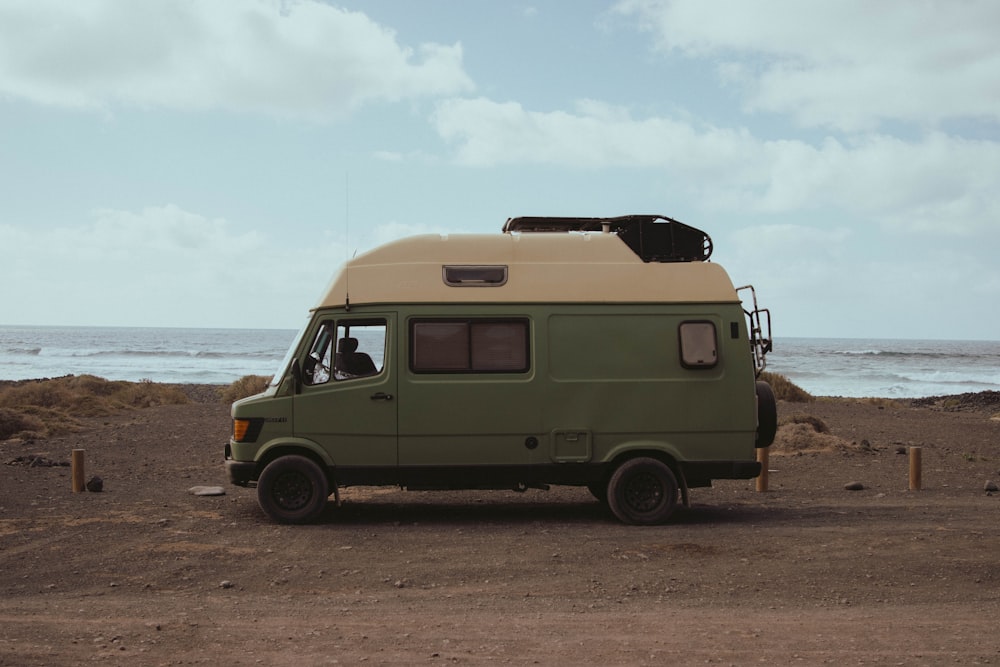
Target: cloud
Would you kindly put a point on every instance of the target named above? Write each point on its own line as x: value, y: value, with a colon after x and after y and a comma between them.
x: 166, y: 266
x: 918, y: 62
x: 297, y: 58
x: 871, y: 283
x: 161, y: 266
x: 488, y: 133
x: 788, y: 259
x: 913, y: 184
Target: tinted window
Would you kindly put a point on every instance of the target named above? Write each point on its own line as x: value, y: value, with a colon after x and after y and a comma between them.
x: 469, y: 346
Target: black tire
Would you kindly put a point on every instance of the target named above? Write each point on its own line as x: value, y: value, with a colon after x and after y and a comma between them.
x: 767, y: 415
x: 643, y: 491
x: 292, y: 489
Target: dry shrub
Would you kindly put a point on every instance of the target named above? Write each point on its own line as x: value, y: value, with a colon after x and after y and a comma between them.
x: 14, y: 423
x: 806, y: 434
x: 146, y: 394
x: 89, y: 384
x: 786, y: 390
x: 804, y: 439
x: 816, y: 423
x: 43, y: 394
x: 248, y: 385
x: 88, y: 395
x: 49, y: 407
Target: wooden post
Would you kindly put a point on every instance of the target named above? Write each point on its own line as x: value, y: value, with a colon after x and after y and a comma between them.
x: 763, y: 454
x: 77, y: 470
x: 915, y: 468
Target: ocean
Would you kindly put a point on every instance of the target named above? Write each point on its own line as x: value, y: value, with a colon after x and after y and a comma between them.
x: 887, y: 368
x: 198, y: 356
x: 821, y: 366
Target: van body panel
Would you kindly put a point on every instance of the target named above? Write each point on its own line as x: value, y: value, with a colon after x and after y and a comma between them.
x: 270, y: 416
x: 574, y: 445
x: 267, y: 451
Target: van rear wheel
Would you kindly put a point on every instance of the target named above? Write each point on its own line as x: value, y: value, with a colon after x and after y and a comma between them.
x: 292, y: 489
x: 643, y: 491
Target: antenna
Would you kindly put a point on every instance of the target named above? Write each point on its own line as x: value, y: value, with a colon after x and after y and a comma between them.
x: 347, y: 240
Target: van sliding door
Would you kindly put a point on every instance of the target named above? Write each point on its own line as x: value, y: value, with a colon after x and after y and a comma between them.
x: 468, y: 397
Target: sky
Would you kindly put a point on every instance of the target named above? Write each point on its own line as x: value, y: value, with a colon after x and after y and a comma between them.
x: 183, y: 163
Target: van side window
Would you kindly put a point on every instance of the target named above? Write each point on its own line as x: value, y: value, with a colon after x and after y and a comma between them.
x: 345, y: 350
x: 469, y: 346
x: 698, y: 344
x: 360, y: 349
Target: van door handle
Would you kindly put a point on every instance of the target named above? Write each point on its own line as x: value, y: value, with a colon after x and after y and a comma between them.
x: 381, y: 396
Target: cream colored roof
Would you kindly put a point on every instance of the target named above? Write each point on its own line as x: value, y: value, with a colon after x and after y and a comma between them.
x: 542, y: 267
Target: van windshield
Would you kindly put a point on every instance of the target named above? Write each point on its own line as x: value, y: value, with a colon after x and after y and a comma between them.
x: 282, y: 369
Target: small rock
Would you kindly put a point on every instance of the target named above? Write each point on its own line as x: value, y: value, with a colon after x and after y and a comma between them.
x: 207, y: 491
x: 990, y: 486
x: 226, y: 584
x: 95, y: 484
x: 854, y: 486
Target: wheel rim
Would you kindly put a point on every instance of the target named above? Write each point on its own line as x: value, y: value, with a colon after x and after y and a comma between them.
x: 644, y: 492
x: 291, y: 491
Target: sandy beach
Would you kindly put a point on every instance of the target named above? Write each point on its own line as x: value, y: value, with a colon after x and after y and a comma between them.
x: 809, y: 572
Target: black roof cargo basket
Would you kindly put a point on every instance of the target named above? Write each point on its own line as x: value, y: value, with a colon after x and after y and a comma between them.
x: 654, y: 238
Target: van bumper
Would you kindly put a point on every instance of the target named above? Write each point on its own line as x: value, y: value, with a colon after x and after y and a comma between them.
x: 701, y: 473
x: 240, y: 473
x: 746, y: 469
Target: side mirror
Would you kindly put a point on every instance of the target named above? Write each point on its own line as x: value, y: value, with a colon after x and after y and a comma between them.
x: 296, y: 376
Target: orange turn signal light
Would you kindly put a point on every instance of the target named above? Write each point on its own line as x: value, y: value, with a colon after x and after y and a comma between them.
x: 240, y: 427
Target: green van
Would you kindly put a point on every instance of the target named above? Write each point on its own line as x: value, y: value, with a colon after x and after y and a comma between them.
x: 599, y: 352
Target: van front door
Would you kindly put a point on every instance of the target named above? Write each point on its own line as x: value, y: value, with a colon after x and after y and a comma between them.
x: 347, y: 402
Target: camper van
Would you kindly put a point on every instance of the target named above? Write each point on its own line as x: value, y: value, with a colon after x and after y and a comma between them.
x: 606, y: 353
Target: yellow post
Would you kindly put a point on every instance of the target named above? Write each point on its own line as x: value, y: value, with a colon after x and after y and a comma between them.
x: 77, y: 470
x: 915, y: 468
x: 763, y: 454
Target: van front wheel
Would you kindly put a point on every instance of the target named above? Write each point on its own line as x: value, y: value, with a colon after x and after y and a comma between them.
x: 643, y: 491
x: 292, y: 489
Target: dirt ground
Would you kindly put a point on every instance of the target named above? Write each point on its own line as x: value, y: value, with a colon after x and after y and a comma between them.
x: 144, y: 573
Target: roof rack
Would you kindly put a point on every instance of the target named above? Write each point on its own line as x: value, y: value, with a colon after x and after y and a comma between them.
x: 654, y: 238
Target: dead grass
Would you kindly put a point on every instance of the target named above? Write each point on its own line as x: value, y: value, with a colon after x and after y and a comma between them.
x: 40, y: 408
x: 816, y: 423
x: 786, y: 390
x: 248, y: 385
x: 806, y: 434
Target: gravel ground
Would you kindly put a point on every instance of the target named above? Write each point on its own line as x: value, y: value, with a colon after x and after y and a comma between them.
x: 144, y: 573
